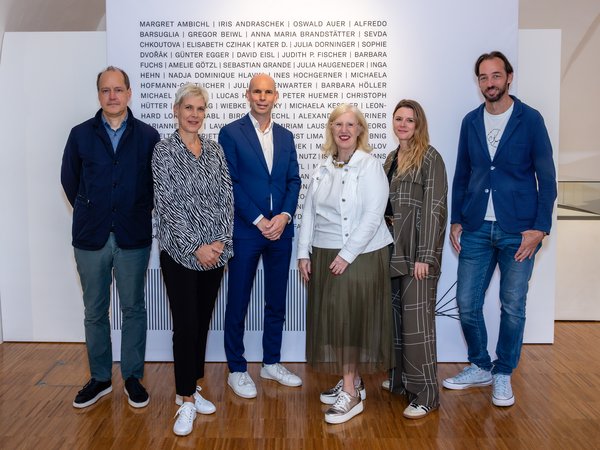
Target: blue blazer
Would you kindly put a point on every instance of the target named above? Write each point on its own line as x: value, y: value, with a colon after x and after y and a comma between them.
x: 253, y: 185
x: 110, y: 191
x: 521, y: 177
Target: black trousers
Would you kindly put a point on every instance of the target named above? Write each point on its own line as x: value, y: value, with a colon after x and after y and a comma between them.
x: 192, y: 295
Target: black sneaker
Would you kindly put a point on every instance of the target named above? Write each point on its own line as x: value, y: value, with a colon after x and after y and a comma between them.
x: 138, y: 397
x: 92, y: 392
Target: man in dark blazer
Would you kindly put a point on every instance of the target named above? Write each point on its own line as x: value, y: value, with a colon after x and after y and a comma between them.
x: 107, y: 178
x: 502, y: 200
x: 263, y: 165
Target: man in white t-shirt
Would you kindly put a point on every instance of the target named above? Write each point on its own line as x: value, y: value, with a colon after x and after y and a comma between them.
x: 502, y: 199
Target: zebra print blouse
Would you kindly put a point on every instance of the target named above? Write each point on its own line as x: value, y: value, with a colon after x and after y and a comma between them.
x: 193, y: 200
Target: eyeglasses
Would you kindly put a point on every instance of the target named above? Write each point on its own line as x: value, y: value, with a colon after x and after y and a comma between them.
x: 348, y: 125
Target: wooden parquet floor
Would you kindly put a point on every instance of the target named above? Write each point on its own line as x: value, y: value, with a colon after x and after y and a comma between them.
x: 557, y: 388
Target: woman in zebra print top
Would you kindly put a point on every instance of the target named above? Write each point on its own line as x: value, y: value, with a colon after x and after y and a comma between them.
x: 193, y: 202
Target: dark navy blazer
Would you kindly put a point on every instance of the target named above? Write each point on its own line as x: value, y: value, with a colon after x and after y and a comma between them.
x: 521, y: 177
x: 110, y: 191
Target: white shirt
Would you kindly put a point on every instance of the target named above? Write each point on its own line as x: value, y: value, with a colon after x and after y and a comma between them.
x: 265, y: 138
x: 494, y: 128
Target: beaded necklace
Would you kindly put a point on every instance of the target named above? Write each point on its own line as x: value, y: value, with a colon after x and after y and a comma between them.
x: 339, y: 164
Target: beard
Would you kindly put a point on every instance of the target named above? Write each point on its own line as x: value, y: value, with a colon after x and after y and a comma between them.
x: 499, y: 93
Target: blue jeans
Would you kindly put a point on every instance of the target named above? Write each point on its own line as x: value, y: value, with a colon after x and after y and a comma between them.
x: 481, y: 251
x: 95, y: 273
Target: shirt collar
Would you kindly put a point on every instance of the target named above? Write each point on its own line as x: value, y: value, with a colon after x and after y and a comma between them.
x: 257, y: 125
x: 107, y: 125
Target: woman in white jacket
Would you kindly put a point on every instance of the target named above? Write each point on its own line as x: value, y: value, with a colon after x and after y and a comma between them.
x: 343, y: 256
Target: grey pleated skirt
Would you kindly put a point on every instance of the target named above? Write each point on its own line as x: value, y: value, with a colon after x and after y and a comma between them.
x: 349, y: 317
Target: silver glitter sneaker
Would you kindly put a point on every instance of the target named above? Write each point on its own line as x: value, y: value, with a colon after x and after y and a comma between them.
x: 330, y: 395
x: 346, y: 406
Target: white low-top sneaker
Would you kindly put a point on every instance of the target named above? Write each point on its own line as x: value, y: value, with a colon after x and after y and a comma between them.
x: 471, y: 376
x: 242, y: 384
x: 386, y: 384
x: 502, y: 394
x: 416, y: 411
x: 279, y: 373
x: 185, y: 419
x: 202, y: 405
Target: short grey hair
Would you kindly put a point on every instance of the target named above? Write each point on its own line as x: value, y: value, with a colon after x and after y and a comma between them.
x: 190, y: 89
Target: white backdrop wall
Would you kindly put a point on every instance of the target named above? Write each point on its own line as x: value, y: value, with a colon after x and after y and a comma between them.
x: 372, y: 54
x: 47, y: 85
x: 38, y: 282
x: 539, y: 74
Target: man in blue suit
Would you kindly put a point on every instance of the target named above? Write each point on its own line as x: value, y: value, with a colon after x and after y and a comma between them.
x: 262, y: 161
x: 502, y: 200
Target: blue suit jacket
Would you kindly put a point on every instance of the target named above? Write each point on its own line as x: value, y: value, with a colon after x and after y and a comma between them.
x: 253, y: 185
x: 521, y: 177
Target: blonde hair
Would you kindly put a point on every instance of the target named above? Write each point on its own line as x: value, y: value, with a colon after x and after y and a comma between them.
x: 362, y: 143
x: 418, y: 144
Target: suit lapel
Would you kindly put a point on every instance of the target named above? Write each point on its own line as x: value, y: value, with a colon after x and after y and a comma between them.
x: 250, y: 133
x: 103, y: 135
x: 511, y: 126
x: 480, y: 131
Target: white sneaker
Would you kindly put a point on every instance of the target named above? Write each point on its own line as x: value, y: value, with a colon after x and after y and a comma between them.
x: 386, y: 384
x: 185, y: 419
x: 502, y: 394
x: 279, y: 373
x: 416, y: 411
x: 471, y: 376
x: 202, y: 405
x: 242, y: 384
